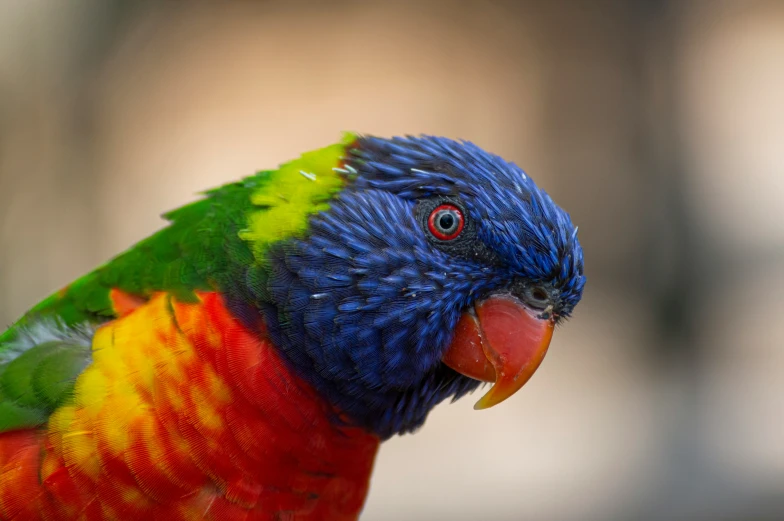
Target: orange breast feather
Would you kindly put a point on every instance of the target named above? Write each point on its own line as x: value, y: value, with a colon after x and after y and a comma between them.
x: 186, y: 414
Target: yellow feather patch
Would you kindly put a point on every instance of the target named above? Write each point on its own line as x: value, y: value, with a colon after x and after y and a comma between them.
x: 139, y: 359
x: 293, y: 192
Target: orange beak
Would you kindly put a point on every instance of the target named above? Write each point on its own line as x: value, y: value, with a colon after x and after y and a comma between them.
x: 502, y: 341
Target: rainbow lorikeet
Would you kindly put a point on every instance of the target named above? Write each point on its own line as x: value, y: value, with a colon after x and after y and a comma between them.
x: 245, y: 361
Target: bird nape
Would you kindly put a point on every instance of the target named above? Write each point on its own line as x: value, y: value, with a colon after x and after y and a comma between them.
x: 245, y: 361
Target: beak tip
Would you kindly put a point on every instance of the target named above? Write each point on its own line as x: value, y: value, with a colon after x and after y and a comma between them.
x: 491, y: 399
x: 481, y: 406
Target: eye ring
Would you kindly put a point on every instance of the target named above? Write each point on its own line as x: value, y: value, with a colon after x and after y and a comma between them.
x: 446, y: 222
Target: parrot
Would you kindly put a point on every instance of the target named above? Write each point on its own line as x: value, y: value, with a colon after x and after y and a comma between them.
x: 246, y: 361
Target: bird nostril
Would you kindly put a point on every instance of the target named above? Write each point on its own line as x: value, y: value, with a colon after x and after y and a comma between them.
x: 539, y: 294
x: 536, y: 296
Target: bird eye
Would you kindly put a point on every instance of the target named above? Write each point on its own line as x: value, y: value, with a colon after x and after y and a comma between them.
x: 446, y: 222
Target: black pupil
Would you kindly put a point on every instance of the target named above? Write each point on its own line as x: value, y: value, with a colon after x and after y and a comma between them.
x: 447, y: 221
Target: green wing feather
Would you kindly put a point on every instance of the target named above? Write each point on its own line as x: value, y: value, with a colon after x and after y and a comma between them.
x: 186, y: 256
x: 206, y: 244
x: 38, y: 380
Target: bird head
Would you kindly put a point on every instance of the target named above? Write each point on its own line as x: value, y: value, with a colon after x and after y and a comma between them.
x: 436, y: 267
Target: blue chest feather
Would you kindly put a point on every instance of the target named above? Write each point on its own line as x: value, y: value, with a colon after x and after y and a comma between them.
x: 368, y: 310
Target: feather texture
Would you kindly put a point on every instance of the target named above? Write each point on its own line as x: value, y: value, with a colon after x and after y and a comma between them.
x: 245, y: 361
x: 186, y: 414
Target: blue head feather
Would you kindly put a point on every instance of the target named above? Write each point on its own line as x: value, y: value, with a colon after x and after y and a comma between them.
x: 365, y: 305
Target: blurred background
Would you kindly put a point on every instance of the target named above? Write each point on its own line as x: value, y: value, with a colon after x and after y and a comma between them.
x: 659, y: 125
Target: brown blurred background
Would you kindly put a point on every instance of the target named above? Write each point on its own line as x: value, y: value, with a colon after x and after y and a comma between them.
x: 659, y: 125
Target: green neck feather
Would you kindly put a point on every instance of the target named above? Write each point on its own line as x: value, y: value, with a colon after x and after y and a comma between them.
x: 207, y: 242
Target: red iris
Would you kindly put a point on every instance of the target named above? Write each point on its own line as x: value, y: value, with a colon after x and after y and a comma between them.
x: 446, y: 222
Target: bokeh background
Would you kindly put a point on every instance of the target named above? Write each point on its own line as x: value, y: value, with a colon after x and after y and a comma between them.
x: 659, y: 125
